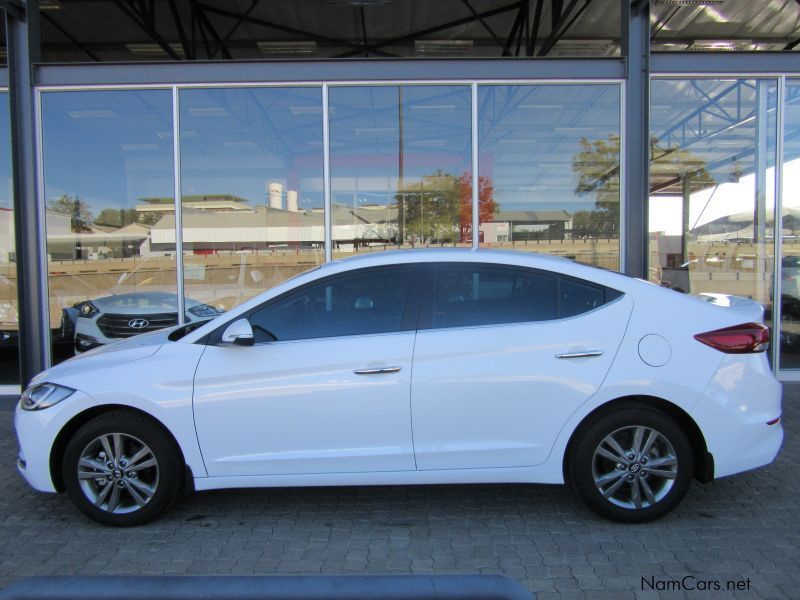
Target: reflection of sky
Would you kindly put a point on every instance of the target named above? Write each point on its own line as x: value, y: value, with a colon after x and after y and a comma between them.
x: 5, y: 153
x: 238, y: 141
x: 529, y: 136
x: 371, y: 125
x: 108, y: 147
x: 723, y: 200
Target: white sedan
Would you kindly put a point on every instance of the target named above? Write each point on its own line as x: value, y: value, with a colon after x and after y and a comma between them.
x: 415, y: 367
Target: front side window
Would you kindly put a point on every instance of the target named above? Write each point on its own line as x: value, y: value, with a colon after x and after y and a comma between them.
x: 366, y: 302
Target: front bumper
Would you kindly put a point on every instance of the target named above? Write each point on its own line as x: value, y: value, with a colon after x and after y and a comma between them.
x: 36, y: 433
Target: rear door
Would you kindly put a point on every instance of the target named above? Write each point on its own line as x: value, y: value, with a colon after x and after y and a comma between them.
x: 503, y: 356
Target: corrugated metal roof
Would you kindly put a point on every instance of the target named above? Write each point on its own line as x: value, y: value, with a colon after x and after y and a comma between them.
x: 104, y: 30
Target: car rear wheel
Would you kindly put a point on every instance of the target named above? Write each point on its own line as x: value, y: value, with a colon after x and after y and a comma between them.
x: 633, y: 465
x: 122, y: 469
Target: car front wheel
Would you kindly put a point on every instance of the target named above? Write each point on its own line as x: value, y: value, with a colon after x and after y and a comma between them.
x: 122, y: 469
x: 633, y: 465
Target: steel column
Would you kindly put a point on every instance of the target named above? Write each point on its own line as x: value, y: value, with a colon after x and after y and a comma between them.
x: 636, y: 49
x: 22, y: 38
x: 760, y: 200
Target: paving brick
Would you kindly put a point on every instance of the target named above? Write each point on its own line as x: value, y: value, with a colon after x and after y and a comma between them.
x: 734, y: 528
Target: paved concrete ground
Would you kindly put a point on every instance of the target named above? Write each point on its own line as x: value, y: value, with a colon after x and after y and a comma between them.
x: 742, y: 528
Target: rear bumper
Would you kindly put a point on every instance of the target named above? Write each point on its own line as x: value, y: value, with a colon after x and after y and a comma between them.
x: 734, y: 412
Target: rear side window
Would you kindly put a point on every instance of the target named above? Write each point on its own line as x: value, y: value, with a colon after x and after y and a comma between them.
x: 576, y: 298
x: 365, y: 302
x: 471, y: 295
x: 479, y: 295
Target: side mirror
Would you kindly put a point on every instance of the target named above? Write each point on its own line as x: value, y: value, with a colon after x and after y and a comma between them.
x: 240, y: 333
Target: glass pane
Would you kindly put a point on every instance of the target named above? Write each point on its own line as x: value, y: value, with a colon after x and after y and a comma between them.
x: 549, y: 170
x: 251, y: 180
x: 790, y: 261
x: 400, y: 167
x: 712, y: 186
x: 577, y: 298
x: 9, y: 349
x: 467, y: 296
x: 105, y: 153
x: 365, y: 303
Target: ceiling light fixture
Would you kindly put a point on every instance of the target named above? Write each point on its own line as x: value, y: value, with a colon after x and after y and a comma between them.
x: 358, y: 2
x: 287, y: 48
x: 718, y: 46
x: 690, y: 2
x: 153, y: 49
x: 49, y: 5
x: 438, y: 47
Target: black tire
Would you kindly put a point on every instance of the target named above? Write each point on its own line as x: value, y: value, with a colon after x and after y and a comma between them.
x: 137, y: 433
x: 590, y: 459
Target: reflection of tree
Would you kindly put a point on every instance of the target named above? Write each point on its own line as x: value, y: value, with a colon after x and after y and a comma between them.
x: 439, y: 207
x: 597, y: 167
x: 120, y: 217
x: 77, y: 210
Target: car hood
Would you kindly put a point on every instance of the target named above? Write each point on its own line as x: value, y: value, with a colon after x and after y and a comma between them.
x: 133, y: 348
x: 142, y: 303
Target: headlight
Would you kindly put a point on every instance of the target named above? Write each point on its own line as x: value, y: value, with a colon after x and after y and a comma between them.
x: 86, y: 309
x: 44, y: 395
x: 204, y: 310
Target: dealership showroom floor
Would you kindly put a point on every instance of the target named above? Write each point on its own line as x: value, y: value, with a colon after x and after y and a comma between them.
x: 743, y: 529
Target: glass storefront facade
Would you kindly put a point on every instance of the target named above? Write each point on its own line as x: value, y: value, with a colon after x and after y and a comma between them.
x: 250, y: 169
x: 105, y: 153
x: 712, y: 186
x: 9, y: 357
x: 550, y: 159
x: 249, y: 161
x: 789, y: 355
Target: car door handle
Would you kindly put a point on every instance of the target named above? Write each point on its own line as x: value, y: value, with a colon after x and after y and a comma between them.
x: 377, y: 370
x: 583, y: 354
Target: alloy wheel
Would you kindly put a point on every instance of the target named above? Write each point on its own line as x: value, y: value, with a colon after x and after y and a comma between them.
x: 118, y: 473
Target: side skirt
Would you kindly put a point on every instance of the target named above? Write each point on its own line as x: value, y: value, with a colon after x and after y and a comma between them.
x: 504, y: 475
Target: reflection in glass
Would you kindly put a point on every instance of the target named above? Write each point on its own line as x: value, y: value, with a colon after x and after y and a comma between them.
x: 9, y: 349
x: 712, y: 186
x: 401, y: 172
x: 251, y: 180
x: 790, y: 261
x: 105, y: 152
x: 551, y: 155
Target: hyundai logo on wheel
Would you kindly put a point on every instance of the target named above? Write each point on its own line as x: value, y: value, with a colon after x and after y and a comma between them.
x: 138, y: 323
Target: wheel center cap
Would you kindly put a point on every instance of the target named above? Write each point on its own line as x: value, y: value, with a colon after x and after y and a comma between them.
x: 117, y: 474
x: 635, y: 467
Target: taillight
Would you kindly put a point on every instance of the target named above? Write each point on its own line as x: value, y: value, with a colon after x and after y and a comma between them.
x: 739, y: 339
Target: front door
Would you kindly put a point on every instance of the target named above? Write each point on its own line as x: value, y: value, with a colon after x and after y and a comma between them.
x: 326, y: 387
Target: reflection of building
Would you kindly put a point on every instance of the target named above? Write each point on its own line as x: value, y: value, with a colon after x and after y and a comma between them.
x: 263, y: 227
x: 97, y: 243
x: 214, y: 202
x: 525, y: 225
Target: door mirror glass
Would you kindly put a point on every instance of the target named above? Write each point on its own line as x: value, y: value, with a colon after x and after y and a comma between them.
x: 240, y: 333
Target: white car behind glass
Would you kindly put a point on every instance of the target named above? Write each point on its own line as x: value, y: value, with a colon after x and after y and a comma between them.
x: 105, y: 320
x: 417, y: 367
